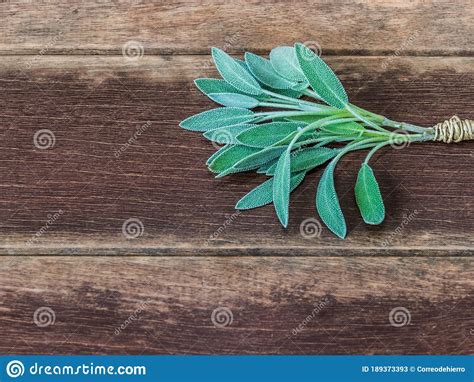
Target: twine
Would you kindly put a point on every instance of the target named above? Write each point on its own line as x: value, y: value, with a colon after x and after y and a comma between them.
x: 454, y: 130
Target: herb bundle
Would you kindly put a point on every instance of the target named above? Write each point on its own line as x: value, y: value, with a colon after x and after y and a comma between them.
x: 289, y: 136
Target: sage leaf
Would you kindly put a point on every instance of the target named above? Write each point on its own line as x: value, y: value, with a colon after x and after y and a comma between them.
x: 234, y: 74
x: 345, y: 128
x: 263, y: 71
x: 214, y: 85
x: 327, y: 203
x: 219, y: 117
x: 268, y: 134
x: 218, y: 153
x: 368, y: 196
x: 264, y: 167
x: 230, y: 157
x: 307, y: 159
x: 254, y: 160
x: 321, y: 77
x: 227, y: 135
x: 263, y: 194
x: 281, y: 188
x: 234, y: 100
x: 285, y: 63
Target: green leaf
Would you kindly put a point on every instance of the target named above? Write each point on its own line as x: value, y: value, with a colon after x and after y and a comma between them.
x: 264, y: 167
x: 368, y: 196
x: 263, y: 194
x: 307, y: 159
x: 321, y: 78
x: 263, y: 71
x: 234, y: 100
x: 285, y: 63
x: 254, y: 160
x: 281, y: 188
x: 233, y: 73
x: 345, y: 128
x: 226, y: 135
x: 286, y: 92
x: 268, y: 134
x: 230, y: 157
x: 218, y: 153
x: 327, y: 203
x: 220, y: 117
x: 214, y: 85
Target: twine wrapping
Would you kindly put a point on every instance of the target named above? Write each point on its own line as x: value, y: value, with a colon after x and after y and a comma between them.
x: 454, y: 130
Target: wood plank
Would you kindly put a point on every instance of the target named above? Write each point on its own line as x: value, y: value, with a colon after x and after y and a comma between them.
x: 364, y: 27
x: 150, y: 305
x: 95, y: 105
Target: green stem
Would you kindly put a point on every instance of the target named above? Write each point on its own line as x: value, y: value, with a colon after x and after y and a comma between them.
x: 294, y: 100
x: 280, y: 105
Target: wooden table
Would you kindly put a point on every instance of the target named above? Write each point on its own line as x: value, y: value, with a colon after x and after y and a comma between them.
x: 77, y: 82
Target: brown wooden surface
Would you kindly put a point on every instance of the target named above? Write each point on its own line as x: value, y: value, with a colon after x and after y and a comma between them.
x: 61, y: 69
x: 268, y: 298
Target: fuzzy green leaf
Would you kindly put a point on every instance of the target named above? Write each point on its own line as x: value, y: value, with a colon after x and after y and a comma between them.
x: 321, y: 77
x: 263, y: 71
x: 327, y: 203
x: 233, y: 73
x: 254, y: 160
x: 281, y: 188
x: 285, y: 63
x: 268, y: 134
x: 220, y: 117
x: 230, y: 157
x: 234, y: 100
x: 264, y: 167
x: 214, y: 85
x: 218, y: 153
x: 345, y: 128
x: 307, y: 159
x: 368, y: 196
x: 227, y: 135
x: 263, y: 194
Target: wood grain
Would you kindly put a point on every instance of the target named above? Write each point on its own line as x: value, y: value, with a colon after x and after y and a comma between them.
x: 339, y: 27
x: 95, y: 105
x: 150, y: 305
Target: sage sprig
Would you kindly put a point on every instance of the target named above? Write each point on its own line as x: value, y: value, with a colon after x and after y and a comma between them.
x: 289, y: 114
